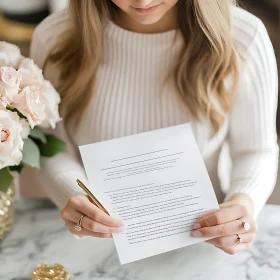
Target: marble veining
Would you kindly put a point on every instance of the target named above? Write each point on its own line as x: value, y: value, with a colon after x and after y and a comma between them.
x: 40, y: 236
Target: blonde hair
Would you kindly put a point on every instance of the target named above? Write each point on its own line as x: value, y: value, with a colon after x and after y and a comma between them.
x: 208, y: 57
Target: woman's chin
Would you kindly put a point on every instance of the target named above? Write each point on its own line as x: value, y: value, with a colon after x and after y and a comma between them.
x: 147, y: 20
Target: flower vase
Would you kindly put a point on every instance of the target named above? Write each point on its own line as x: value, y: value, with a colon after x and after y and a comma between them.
x: 7, y: 210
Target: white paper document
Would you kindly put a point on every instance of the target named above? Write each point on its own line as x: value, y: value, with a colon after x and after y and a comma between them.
x: 157, y: 183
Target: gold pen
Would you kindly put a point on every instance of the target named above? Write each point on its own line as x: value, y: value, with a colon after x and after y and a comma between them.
x: 94, y: 199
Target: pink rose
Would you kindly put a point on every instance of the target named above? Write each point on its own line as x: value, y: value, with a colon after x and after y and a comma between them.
x: 9, y: 55
x: 31, y: 75
x: 11, y: 143
x: 9, y: 85
x: 32, y: 105
x: 52, y: 100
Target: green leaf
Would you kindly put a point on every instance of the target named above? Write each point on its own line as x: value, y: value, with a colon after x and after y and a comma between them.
x: 52, y: 147
x: 17, y: 168
x: 31, y: 153
x: 5, y: 179
x: 37, y: 133
x: 16, y: 111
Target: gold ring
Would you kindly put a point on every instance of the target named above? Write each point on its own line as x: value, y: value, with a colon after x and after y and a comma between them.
x: 78, y: 227
x: 239, y: 239
x: 245, y: 225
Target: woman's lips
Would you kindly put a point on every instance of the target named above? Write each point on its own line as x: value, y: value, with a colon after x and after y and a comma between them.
x: 146, y: 11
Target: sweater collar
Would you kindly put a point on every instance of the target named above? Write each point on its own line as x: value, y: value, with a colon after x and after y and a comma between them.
x: 163, y: 39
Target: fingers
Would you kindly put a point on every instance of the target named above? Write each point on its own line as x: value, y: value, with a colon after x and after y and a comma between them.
x: 229, y: 241
x: 94, y: 223
x: 73, y: 215
x: 85, y: 232
x: 224, y: 225
x: 82, y: 204
x: 222, y: 216
x: 226, y: 229
x: 208, y: 213
x: 223, y: 205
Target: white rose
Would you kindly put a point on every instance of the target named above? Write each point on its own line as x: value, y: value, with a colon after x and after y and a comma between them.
x: 25, y: 129
x: 9, y: 85
x: 9, y: 55
x: 32, y: 105
x: 52, y: 101
x: 31, y: 74
x: 11, y: 142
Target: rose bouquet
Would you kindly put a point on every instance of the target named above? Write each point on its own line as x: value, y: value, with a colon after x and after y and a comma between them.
x: 28, y: 103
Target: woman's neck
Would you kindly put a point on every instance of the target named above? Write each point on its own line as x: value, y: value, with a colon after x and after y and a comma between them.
x: 166, y: 23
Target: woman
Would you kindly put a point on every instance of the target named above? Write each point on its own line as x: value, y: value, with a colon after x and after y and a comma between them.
x: 127, y: 66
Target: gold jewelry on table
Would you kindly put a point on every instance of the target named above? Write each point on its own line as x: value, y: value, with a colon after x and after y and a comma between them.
x: 93, y: 198
x: 79, y: 226
x: 50, y: 272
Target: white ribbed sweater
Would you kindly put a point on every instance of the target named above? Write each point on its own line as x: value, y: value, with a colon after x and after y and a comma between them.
x: 130, y: 97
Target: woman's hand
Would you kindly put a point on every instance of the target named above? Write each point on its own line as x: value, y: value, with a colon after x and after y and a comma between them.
x: 95, y: 222
x: 226, y: 225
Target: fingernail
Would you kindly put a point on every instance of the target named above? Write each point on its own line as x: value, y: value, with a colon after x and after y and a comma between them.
x: 120, y: 224
x: 196, y: 226
x: 120, y: 229
x: 197, y: 233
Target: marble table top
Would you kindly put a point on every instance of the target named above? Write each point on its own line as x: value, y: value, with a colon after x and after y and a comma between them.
x: 40, y: 236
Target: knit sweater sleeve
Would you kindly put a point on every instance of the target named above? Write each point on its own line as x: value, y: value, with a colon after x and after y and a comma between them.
x: 252, y: 128
x: 58, y: 174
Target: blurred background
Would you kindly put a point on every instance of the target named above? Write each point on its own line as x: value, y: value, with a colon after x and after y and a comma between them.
x: 19, y: 18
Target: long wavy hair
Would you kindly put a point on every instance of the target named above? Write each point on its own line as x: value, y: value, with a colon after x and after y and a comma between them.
x: 207, y: 61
